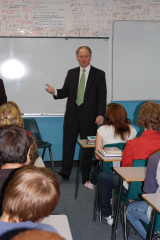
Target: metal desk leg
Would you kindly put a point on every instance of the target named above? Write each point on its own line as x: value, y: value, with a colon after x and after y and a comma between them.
x: 124, y: 222
x: 79, y: 167
x: 151, y: 225
x: 51, y: 159
x: 114, y: 227
x: 96, y: 203
x: 96, y: 207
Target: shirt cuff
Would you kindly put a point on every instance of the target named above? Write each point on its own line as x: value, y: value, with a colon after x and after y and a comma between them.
x: 55, y: 94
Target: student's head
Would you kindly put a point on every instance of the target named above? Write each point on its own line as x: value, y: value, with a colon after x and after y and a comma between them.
x: 149, y: 116
x: 116, y: 116
x: 37, y: 235
x: 14, y: 145
x: 10, y: 114
x: 84, y: 55
x: 31, y: 195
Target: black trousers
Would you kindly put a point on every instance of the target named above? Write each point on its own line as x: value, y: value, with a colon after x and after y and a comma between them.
x: 70, y: 134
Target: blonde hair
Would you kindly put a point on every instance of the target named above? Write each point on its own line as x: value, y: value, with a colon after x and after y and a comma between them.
x: 10, y: 114
x: 31, y: 195
x: 149, y: 115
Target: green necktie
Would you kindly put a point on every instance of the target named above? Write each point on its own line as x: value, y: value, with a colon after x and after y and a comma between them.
x: 80, y: 93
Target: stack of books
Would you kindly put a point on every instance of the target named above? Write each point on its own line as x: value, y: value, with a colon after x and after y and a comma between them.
x: 111, y: 152
x: 91, y: 140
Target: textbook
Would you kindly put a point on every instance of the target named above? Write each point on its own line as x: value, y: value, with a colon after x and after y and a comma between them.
x: 110, y: 152
x: 91, y: 139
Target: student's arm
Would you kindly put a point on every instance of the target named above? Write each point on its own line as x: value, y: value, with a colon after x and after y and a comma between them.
x: 152, y: 179
x: 158, y: 176
x: 99, y: 144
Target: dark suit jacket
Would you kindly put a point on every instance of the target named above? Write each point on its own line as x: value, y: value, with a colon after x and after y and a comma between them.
x: 94, y: 98
x: 3, y: 97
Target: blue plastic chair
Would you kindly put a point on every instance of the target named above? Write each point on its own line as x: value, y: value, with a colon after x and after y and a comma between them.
x: 30, y: 124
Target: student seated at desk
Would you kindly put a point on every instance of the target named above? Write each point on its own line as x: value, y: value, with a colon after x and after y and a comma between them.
x: 117, y: 129
x: 31, y: 195
x: 140, y: 210
x: 10, y: 115
x: 138, y: 148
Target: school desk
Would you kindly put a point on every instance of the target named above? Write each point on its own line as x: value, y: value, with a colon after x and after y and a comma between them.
x: 152, y: 199
x: 83, y: 145
x: 129, y: 174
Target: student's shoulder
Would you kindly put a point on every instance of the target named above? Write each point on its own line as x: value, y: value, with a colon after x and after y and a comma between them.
x: 105, y: 128
x: 45, y: 227
x: 132, y: 142
x: 4, y: 172
x: 155, y: 156
x: 132, y: 127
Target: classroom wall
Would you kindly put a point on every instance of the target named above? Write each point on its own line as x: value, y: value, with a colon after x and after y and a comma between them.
x: 77, y: 18
x: 51, y: 129
x: 91, y: 18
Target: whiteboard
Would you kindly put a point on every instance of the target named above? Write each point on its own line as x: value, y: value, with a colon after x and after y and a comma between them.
x: 136, y: 60
x: 46, y: 60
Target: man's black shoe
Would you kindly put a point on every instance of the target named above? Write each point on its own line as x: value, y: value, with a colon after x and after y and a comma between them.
x: 61, y: 175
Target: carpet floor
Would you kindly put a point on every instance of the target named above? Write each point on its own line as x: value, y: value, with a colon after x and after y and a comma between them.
x: 80, y: 213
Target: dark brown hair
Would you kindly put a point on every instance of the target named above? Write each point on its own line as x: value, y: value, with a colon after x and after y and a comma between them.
x: 116, y: 116
x: 31, y: 195
x: 149, y: 116
x: 14, y: 144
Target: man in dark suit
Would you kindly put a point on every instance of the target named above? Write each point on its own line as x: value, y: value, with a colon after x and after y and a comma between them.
x: 81, y: 118
x: 3, y: 97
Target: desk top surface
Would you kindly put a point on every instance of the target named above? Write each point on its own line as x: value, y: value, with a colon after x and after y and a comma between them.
x: 108, y: 159
x: 131, y: 174
x: 83, y: 143
x: 61, y: 224
x: 153, y: 199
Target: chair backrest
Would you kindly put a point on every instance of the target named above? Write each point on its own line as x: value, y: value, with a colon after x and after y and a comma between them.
x: 157, y: 222
x: 135, y: 188
x: 108, y: 166
x: 30, y: 124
